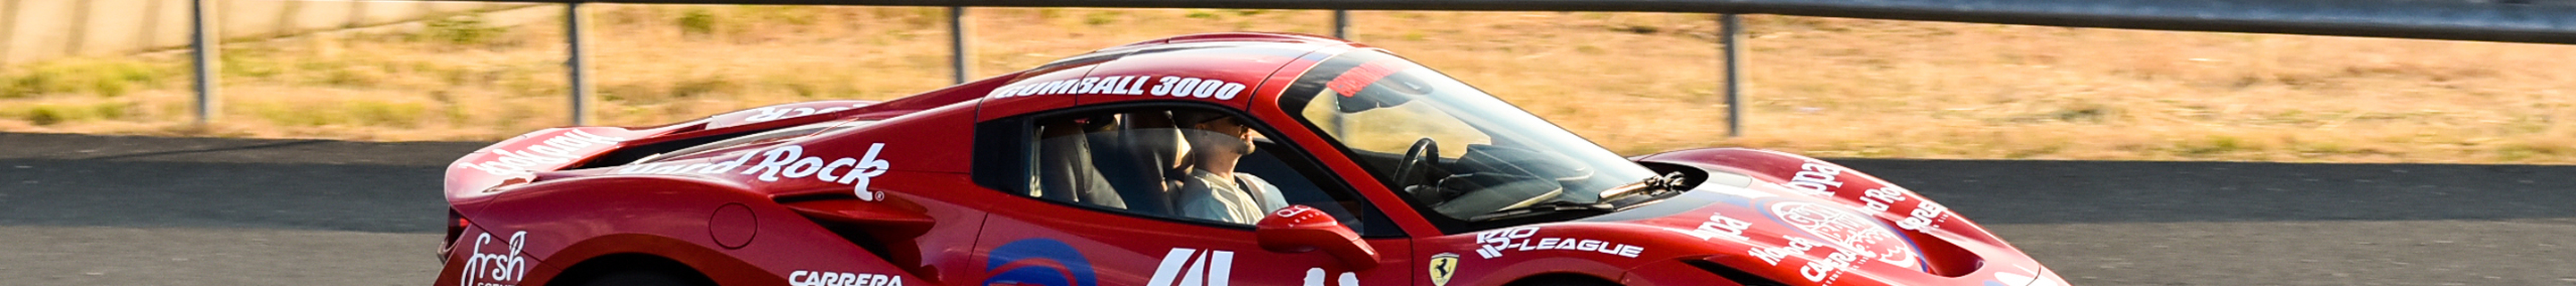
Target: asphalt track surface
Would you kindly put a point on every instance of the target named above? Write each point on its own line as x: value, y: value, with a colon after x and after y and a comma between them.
x: 107, y: 210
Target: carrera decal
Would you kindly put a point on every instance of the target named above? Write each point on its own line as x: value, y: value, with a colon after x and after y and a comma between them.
x: 495, y: 268
x: 1815, y: 178
x: 1443, y: 266
x: 826, y: 278
x: 788, y: 162
x: 1040, y: 262
x: 1171, y: 86
x: 1492, y: 243
x: 551, y: 151
x: 1193, y: 267
x: 1315, y: 277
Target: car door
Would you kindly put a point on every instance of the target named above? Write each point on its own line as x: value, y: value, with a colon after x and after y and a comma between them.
x: 1074, y: 226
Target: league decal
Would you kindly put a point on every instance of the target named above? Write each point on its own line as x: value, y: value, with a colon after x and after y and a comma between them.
x: 1171, y: 86
x: 1492, y: 243
x: 1315, y: 277
x: 1039, y: 262
x: 559, y: 149
x: 501, y: 266
x: 825, y: 278
x: 1442, y: 267
x: 1193, y: 267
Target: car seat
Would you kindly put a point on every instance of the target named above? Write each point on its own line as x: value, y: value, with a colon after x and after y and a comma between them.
x: 1065, y: 172
x: 1145, y: 164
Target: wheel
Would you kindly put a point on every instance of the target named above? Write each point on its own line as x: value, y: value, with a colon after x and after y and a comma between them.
x: 1562, y: 280
x: 644, y: 278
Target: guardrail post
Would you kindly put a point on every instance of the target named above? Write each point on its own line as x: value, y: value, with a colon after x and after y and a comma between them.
x: 1732, y: 35
x: 957, y: 43
x: 575, y: 65
x: 1342, y: 24
x: 203, y: 44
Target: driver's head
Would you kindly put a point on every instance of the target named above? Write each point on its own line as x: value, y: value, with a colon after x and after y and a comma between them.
x: 1215, y: 132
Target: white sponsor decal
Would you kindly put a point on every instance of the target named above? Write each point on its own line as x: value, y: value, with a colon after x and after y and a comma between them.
x: 1820, y: 270
x: 1719, y: 225
x: 1878, y: 199
x: 827, y: 278
x: 551, y: 151
x: 1924, y: 214
x: 1773, y: 255
x: 766, y: 114
x: 1851, y: 237
x: 1172, y: 86
x: 1492, y: 243
x: 1315, y: 277
x: 1815, y: 178
x: 501, y: 269
x: 787, y: 162
x: 1192, y: 267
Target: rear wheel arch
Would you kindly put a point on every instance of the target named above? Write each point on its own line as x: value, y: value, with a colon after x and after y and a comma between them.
x: 628, y: 268
x: 1562, y: 279
x: 610, y: 254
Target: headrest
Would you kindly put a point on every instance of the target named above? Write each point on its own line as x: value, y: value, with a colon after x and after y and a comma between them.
x: 1155, y: 134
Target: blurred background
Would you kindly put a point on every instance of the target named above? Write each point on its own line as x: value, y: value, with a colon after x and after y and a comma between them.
x: 341, y: 115
x: 1639, y: 82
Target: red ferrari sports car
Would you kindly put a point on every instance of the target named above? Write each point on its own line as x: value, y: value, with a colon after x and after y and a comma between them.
x: 1198, y: 160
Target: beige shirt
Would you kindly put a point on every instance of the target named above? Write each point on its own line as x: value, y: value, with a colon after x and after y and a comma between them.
x: 1243, y: 199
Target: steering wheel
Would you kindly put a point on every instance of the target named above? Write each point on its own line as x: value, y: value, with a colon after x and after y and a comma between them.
x: 1416, y: 159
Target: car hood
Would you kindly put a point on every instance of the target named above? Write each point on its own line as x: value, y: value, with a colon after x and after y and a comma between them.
x: 1777, y: 233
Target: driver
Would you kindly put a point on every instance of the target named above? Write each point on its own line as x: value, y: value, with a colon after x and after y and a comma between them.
x: 1213, y: 190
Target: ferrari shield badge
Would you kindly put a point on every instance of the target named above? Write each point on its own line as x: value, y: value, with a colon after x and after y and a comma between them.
x: 1442, y: 266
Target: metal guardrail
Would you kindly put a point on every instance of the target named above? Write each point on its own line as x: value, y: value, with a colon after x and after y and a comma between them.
x: 2527, y: 21
x: 2533, y: 21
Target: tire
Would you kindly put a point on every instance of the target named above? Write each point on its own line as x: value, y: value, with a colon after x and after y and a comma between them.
x: 1561, y: 280
x: 644, y: 278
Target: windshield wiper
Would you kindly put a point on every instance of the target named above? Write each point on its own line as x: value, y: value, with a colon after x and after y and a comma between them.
x: 1540, y: 208
x: 1651, y: 186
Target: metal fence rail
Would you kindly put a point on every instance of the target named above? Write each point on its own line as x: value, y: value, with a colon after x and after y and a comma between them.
x: 2534, y: 21
x: 2529, y: 21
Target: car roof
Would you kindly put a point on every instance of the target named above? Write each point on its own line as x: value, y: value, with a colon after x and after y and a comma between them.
x: 1228, y: 69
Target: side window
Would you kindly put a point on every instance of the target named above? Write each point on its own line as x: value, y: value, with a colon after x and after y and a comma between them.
x: 1181, y: 163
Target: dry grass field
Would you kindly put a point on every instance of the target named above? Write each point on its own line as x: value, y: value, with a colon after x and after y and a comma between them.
x: 1637, y: 82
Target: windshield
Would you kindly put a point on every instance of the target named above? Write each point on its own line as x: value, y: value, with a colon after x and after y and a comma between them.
x: 1449, y: 148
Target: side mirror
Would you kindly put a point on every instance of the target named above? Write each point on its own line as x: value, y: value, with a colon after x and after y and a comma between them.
x: 1299, y: 228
